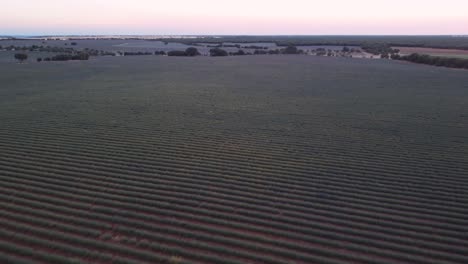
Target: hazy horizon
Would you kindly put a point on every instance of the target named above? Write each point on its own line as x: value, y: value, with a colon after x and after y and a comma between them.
x: 242, y: 17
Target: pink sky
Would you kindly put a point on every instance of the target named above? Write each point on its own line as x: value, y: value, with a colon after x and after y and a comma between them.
x: 240, y: 17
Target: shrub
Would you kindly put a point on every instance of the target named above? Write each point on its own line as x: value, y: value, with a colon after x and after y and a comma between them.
x: 272, y: 52
x: 434, y: 60
x: 67, y: 57
x: 290, y: 50
x: 238, y: 53
x: 139, y: 53
x: 21, y: 57
x: 191, y: 52
x: 260, y: 52
x: 177, y: 53
x: 217, y: 52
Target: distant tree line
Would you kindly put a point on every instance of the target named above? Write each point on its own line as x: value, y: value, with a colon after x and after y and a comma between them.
x: 38, y: 48
x: 444, y: 42
x: 66, y: 57
x: 189, y: 52
x: 217, y: 52
x: 292, y: 50
x: 255, y: 47
x: 21, y: 57
x: 434, y: 60
x: 380, y: 49
x: 288, y: 50
x: 138, y: 53
x: 239, y: 53
x: 230, y: 46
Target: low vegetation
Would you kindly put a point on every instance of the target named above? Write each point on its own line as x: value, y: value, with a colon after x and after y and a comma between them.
x: 137, y: 53
x: 267, y: 159
x: 384, y: 50
x: 445, y: 42
x: 21, y: 57
x: 68, y: 57
x: 217, y: 52
x: 189, y: 52
x: 434, y: 60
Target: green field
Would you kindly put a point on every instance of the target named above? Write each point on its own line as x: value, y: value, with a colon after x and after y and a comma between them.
x: 255, y: 159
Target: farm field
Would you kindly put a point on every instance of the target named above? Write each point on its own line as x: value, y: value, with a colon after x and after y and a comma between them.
x: 254, y: 159
x: 453, y: 53
x: 135, y: 45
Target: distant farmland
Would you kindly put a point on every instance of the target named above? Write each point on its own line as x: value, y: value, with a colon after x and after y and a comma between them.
x: 453, y: 53
x: 257, y: 159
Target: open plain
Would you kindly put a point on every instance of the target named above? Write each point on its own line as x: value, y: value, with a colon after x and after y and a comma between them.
x: 254, y: 159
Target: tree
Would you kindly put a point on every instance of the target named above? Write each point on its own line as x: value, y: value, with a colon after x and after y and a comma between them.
x: 345, y: 49
x: 217, y: 52
x: 395, y: 57
x: 272, y: 52
x: 21, y: 57
x: 192, y: 52
x: 39, y: 59
x: 177, y: 53
x: 434, y: 60
x: 290, y: 50
x: 238, y: 53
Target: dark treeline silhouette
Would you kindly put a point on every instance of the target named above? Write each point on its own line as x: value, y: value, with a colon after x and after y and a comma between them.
x: 138, y: 53
x: 217, y: 52
x: 255, y: 47
x: 68, y: 57
x: 379, y: 49
x: 177, y: 53
x: 287, y: 50
x: 434, y: 60
x: 230, y: 46
x: 21, y: 57
x: 292, y: 50
x: 192, y: 52
x: 189, y: 52
x: 238, y: 53
x: 38, y: 48
x: 260, y: 52
x: 444, y: 42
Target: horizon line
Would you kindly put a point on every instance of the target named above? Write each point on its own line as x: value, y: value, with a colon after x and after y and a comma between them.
x: 231, y: 35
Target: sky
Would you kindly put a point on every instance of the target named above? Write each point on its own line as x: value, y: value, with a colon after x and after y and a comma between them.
x: 239, y: 17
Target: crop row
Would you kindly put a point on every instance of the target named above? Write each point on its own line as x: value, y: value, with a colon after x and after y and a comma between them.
x: 192, y: 140
x: 112, y: 177
x: 388, y: 161
x: 296, y: 185
x: 184, y: 244
x: 322, y: 233
x: 133, y: 182
x: 119, y: 202
x: 208, y: 157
